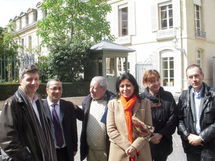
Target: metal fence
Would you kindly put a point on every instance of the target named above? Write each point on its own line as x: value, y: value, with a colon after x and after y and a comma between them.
x: 9, y: 67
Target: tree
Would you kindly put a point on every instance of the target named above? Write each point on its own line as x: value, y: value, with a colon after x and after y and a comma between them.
x: 8, y: 46
x: 68, y: 30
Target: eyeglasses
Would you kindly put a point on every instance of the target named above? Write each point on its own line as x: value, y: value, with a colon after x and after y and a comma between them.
x: 56, y: 88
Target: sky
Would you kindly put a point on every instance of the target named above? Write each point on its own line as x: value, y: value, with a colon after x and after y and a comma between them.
x: 11, y: 8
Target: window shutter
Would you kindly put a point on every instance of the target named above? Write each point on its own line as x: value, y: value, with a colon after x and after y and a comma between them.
x: 131, y: 18
x: 176, y: 13
x: 154, y: 15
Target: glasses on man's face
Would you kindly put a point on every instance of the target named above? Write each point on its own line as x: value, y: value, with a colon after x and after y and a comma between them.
x: 56, y: 88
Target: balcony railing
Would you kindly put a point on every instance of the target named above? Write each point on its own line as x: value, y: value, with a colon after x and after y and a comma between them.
x: 200, y: 34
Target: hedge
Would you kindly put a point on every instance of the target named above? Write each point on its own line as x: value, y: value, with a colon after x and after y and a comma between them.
x: 69, y: 89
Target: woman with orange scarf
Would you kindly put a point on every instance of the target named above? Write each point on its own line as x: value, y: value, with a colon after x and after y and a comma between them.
x: 126, y: 144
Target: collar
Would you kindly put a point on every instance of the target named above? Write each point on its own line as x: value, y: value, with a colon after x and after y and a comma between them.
x: 199, y: 94
x: 51, y: 103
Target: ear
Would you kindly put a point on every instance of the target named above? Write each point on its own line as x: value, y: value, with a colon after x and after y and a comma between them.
x: 47, y: 90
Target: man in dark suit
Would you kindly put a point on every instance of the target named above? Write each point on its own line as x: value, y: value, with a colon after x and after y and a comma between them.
x: 63, y: 116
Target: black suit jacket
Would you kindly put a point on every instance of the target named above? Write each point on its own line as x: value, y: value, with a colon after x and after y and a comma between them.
x: 69, y: 125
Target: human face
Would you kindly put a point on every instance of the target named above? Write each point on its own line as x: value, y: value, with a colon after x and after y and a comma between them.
x: 195, y: 78
x: 30, y: 83
x: 154, y: 86
x: 126, y: 88
x: 96, y: 91
x: 54, y: 91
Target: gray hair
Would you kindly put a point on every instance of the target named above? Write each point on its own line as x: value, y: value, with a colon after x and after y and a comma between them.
x: 50, y: 80
x: 101, y: 80
x: 29, y: 68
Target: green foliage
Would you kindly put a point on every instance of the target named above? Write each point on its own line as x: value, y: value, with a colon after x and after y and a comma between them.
x: 68, y: 30
x: 74, y: 21
x: 8, y: 46
x: 69, y: 89
x: 67, y: 62
x: 43, y: 66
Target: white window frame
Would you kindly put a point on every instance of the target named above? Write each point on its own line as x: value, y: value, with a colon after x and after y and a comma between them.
x: 170, y: 79
x: 166, y: 8
x: 123, y: 19
x: 199, y: 57
x: 198, y: 17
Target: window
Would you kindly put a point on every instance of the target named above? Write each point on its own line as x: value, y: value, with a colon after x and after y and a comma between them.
x: 198, y: 23
x: 110, y: 67
x: 27, y: 19
x: 29, y: 42
x: 121, y: 64
x: 199, y: 57
x: 166, y: 17
x: 168, y: 71
x: 123, y: 20
x: 22, y: 46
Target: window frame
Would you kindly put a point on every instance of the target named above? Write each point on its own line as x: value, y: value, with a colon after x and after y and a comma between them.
x: 123, y: 20
x: 168, y: 17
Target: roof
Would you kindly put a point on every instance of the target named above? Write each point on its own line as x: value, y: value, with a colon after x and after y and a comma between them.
x: 106, y: 45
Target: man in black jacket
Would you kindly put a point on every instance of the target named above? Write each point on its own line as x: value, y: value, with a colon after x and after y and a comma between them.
x: 94, y: 140
x: 25, y: 130
x: 197, y: 117
x: 63, y: 117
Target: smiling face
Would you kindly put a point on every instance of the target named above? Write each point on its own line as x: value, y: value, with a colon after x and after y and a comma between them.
x: 195, y: 78
x: 54, y: 91
x: 126, y: 88
x: 30, y: 83
x: 96, y: 91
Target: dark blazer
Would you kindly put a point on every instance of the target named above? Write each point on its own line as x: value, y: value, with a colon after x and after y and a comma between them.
x: 69, y: 125
x: 86, y: 108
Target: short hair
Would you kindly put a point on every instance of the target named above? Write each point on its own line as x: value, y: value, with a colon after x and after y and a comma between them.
x: 29, y: 68
x: 131, y: 78
x: 101, y: 80
x: 150, y: 76
x: 50, y: 80
x: 194, y: 66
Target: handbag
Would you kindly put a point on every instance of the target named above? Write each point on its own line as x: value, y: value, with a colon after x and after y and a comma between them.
x: 142, y: 128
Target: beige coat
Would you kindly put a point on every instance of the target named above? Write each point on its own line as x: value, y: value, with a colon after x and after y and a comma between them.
x: 118, y: 134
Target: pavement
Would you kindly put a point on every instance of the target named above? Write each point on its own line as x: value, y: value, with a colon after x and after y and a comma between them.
x: 176, y: 155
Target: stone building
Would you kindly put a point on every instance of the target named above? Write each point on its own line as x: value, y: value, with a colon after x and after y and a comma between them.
x: 166, y: 35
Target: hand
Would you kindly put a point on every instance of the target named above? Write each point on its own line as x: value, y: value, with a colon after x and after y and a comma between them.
x: 156, y: 138
x: 131, y: 152
x: 194, y: 140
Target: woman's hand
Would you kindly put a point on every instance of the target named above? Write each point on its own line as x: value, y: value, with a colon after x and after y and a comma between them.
x: 131, y: 152
x: 156, y: 138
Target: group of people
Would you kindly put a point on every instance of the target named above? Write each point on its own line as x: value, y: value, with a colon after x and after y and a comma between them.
x: 45, y: 130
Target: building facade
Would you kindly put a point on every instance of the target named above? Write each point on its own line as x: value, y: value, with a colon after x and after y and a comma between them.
x: 166, y: 35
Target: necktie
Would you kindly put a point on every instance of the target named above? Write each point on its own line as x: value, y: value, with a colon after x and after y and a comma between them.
x: 57, y: 127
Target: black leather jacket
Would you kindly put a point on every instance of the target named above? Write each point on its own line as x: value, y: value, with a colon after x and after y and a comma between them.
x: 207, y: 121
x: 164, y: 119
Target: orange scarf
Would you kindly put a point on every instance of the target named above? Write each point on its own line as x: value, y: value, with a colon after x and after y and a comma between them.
x: 128, y: 106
